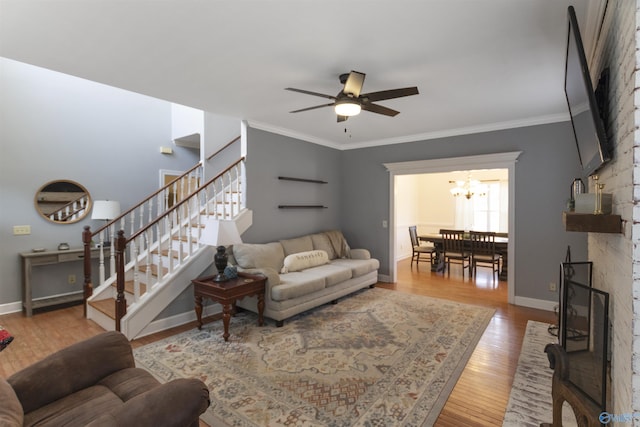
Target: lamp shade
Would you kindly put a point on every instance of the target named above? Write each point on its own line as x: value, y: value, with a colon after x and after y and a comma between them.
x: 220, y: 232
x: 105, y: 209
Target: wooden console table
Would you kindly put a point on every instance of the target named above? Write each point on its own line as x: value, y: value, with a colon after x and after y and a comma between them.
x: 227, y: 293
x: 31, y: 259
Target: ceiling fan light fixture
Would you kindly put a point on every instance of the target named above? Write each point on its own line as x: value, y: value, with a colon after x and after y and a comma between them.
x: 347, y: 108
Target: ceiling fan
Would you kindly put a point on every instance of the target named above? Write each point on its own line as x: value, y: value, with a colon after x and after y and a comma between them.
x: 349, y: 101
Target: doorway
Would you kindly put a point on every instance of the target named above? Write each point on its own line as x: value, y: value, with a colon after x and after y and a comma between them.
x: 178, y: 192
x: 489, y: 161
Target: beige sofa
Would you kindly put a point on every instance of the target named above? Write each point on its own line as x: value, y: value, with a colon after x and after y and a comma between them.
x: 304, y: 272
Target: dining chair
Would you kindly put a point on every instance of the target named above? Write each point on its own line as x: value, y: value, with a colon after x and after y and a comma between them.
x: 483, y: 252
x: 456, y: 249
x: 418, y: 249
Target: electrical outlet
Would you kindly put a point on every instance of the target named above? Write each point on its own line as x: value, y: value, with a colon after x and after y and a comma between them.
x: 21, y: 230
x: 552, y: 287
x: 72, y: 279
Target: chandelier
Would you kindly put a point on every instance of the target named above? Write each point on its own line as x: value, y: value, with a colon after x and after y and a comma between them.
x: 468, y: 188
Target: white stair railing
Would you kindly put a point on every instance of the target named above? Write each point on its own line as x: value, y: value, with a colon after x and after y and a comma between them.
x: 158, y: 248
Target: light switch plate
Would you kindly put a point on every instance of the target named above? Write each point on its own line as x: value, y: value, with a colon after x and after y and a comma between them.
x: 21, y: 230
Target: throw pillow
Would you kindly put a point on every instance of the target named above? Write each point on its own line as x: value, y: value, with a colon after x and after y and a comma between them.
x: 321, y: 241
x: 297, y: 245
x: 303, y: 260
x: 259, y: 255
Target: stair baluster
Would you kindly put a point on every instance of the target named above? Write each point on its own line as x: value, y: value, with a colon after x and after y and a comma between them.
x: 121, y: 302
x: 181, y: 224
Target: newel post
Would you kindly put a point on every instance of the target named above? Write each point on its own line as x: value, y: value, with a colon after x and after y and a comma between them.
x: 121, y: 302
x: 88, y: 286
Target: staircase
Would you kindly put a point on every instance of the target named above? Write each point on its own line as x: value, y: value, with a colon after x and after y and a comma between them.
x: 142, y: 273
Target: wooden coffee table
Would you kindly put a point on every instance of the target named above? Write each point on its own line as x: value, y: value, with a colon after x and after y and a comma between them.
x: 227, y: 293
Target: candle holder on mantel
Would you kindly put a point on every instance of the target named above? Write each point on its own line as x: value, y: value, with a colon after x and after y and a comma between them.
x: 598, y: 188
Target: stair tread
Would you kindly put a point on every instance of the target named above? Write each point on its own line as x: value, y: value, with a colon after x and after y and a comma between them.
x: 165, y: 252
x: 185, y: 238
x: 154, y: 269
x: 128, y: 287
x: 105, y: 306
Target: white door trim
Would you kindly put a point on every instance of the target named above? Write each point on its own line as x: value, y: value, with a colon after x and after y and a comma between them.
x: 486, y: 161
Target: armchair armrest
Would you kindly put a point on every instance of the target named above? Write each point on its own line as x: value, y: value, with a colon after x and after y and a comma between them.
x: 360, y: 254
x: 71, y: 369
x: 177, y: 403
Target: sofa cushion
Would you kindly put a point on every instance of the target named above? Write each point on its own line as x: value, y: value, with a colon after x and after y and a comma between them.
x: 321, y: 242
x: 358, y: 267
x: 78, y: 408
x: 297, y: 284
x: 256, y: 255
x: 333, y: 274
x: 130, y: 382
x: 299, y: 244
x: 10, y: 410
x: 303, y: 260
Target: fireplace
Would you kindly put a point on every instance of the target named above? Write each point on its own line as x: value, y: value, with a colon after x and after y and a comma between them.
x: 580, y: 359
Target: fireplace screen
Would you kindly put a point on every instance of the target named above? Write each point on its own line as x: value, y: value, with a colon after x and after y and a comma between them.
x: 584, y: 330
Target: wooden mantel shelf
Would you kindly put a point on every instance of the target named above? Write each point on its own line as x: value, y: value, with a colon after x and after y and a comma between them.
x: 592, y: 223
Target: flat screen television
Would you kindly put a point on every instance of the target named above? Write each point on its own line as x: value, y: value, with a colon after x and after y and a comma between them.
x: 588, y: 127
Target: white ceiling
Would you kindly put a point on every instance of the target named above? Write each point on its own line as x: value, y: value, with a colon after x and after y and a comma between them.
x: 478, y: 64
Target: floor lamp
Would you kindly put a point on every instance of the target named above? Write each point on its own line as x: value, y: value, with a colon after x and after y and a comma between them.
x: 105, y: 210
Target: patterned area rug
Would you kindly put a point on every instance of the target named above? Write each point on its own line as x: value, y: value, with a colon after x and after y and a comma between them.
x: 377, y: 358
x: 530, y: 399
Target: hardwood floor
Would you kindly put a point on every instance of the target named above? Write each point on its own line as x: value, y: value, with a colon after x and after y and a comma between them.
x: 478, y: 399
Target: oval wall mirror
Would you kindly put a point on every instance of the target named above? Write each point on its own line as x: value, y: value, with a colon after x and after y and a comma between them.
x: 63, y: 201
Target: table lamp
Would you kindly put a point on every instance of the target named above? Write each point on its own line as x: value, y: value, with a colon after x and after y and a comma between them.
x: 105, y: 210
x: 220, y: 233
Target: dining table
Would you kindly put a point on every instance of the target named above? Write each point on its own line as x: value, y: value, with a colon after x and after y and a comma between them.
x: 502, y: 245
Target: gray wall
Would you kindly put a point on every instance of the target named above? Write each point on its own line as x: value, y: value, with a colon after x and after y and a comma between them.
x: 269, y: 156
x: 545, y: 169
x: 358, y: 193
x: 55, y: 126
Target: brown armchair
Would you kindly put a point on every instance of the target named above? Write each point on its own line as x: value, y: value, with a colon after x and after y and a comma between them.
x: 95, y: 383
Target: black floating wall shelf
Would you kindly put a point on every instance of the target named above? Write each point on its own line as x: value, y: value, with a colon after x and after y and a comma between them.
x: 313, y: 181
x: 288, y: 178
x: 302, y: 207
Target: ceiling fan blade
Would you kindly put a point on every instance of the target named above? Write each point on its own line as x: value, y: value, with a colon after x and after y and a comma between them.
x: 354, y: 83
x: 342, y: 118
x: 312, y: 108
x: 374, y: 108
x: 308, y: 92
x: 389, y: 94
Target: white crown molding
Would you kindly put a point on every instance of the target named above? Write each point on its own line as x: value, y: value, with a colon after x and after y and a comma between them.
x: 491, y: 127
x: 483, y: 161
x: 292, y: 134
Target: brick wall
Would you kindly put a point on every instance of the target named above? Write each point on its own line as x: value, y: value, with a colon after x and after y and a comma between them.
x: 616, y: 257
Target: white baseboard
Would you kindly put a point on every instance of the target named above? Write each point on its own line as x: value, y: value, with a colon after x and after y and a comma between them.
x: 15, y: 307
x: 178, y: 320
x: 540, y: 304
x: 10, y: 307
x: 152, y: 328
x: 385, y: 278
